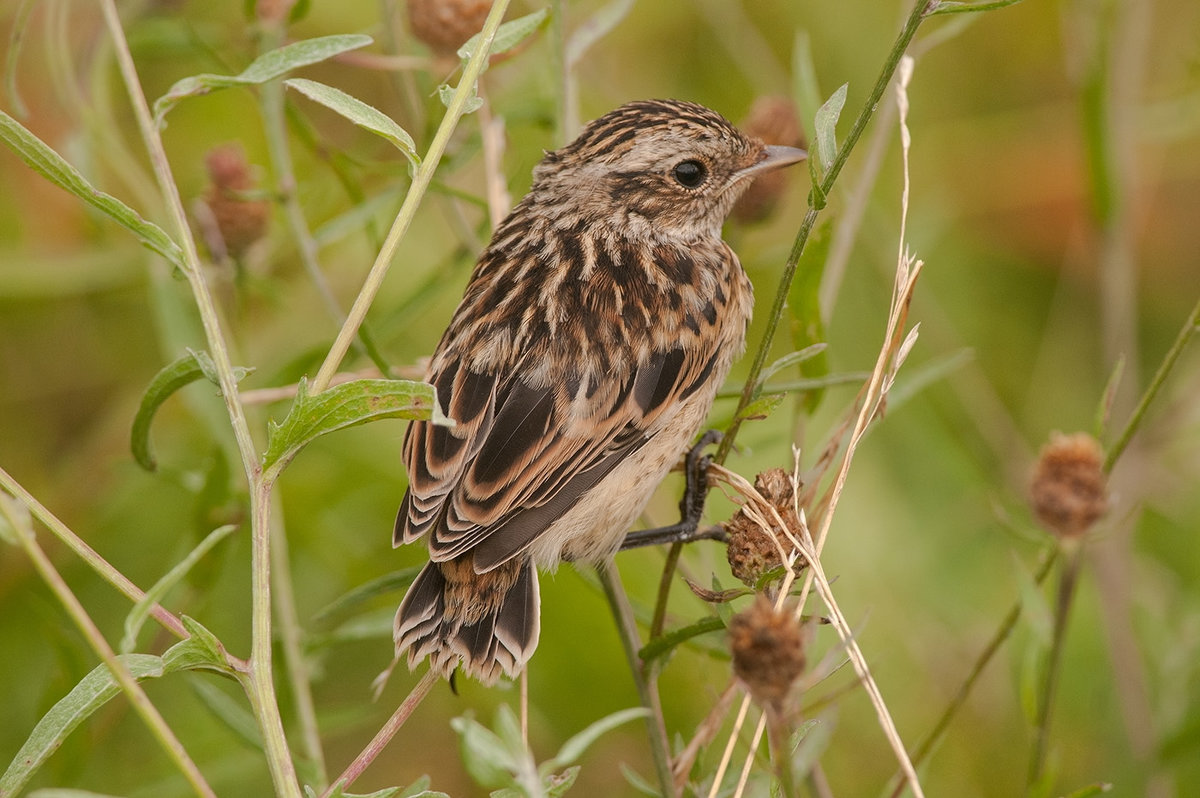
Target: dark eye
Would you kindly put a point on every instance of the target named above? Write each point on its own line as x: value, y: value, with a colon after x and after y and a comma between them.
x: 690, y: 174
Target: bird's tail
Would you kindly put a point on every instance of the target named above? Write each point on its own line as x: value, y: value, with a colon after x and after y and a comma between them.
x: 486, y: 622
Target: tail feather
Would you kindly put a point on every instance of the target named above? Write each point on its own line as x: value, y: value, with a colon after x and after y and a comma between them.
x: 495, y: 635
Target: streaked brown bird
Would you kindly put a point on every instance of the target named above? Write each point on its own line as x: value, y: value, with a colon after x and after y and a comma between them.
x: 583, y: 358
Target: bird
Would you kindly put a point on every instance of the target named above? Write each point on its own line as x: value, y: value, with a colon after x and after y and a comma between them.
x: 585, y: 354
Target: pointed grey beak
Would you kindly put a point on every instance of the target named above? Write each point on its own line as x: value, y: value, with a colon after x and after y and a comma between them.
x: 775, y: 157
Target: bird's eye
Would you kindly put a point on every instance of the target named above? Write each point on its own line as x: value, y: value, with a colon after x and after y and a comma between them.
x: 690, y: 174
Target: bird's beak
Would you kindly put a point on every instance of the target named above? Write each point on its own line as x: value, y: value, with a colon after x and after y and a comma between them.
x: 774, y: 156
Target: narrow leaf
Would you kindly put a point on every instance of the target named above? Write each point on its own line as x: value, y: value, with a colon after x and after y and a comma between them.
x: 380, y: 586
x: 804, y: 308
x: 791, y: 359
x: 825, y: 127
x: 202, y: 649
x: 265, y: 68
x: 762, y: 407
x: 508, y: 35
x: 484, y: 754
x: 446, y: 94
x: 557, y: 784
x: 141, y: 610
x: 92, y: 692
x: 66, y: 792
x: 594, y: 28
x: 365, y: 116
x: 236, y: 717
x: 346, y: 405
x: 52, y: 166
x: 951, y: 7
x: 166, y: 382
x: 573, y: 748
x: 660, y: 646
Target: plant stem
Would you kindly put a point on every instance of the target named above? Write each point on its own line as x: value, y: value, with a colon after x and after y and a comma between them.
x: 1067, y: 583
x: 384, y: 735
x: 1190, y: 326
x: 137, y: 696
x: 610, y: 579
x: 412, y: 200
x: 259, y: 681
x: 1005, y: 629
x: 920, y: 10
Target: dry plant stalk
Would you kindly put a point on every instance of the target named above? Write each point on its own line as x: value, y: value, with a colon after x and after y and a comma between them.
x: 892, y: 354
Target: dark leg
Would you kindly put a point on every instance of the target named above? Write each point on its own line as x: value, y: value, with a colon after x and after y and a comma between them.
x: 691, y: 507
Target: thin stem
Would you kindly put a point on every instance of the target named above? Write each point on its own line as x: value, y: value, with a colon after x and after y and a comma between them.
x: 137, y: 696
x: 610, y: 579
x: 1160, y: 377
x: 1068, y: 581
x: 919, y: 12
x: 291, y: 642
x: 261, y: 688
x: 989, y: 651
x: 421, y: 179
x: 384, y: 735
x: 89, y: 555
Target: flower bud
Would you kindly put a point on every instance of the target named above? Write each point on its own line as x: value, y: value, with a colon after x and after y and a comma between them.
x: 751, y: 551
x: 240, y: 221
x: 1069, y: 490
x: 768, y: 650
x: 445, y: 25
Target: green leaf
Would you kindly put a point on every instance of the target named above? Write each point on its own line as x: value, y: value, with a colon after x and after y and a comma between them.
x: 804, y: 308
x: 508, y: 35
x: 1090, y: 790
x: 265, y: 68
x: 825, y: 127
x: 557, y: 784
x: 791, y: 359
x: 65, y: 792
x: 202, y: 649
x: 661, y: 646
x: 446, y: 94
x: 1035, y: 609
x: 91, y: 693
x: 365, y: 116
x: 52, y: 166
x: 15, y: 520
x: 166, y: 382
x: 573, y: 748
x: 951, y: 7
x: 380, y: 586
x: 141, y: 610
x: 227, y: 709
x: 486, y: 757
x: 346, y: 405
x: 762, y: 407
x: 594, y: 28
x: 386, y: 792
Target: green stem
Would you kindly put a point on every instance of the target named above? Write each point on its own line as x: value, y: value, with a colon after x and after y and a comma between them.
x: 925, y: 747
x: 1068, y: 581
x: 89, y: 555
x: 660, y: 749
x: 137, y: 696
x: 259, y: 681
x: 290, y: 640
x: 1164, y: 369
x: 920, y: 11
x: 421, y: 179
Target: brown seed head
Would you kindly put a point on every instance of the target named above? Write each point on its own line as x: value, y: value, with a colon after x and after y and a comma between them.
x: 1069, y: 490
x: 751, y: 551
x: 775, y: 121
x: 768, y: 650
x: 241, y: 222
x: 445, y: 25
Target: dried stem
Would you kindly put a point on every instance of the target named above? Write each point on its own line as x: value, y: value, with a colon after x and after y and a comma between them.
x: 384, y: 735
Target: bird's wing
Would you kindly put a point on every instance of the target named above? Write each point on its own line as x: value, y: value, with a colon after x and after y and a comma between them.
x: 521, y: 455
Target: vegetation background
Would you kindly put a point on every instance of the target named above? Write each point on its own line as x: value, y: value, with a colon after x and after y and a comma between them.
x: 1055, y: 200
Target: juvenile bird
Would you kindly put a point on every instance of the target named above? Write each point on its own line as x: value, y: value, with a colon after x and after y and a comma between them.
x: 593, y: 335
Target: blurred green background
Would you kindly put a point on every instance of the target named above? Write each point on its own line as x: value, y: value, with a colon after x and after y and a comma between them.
x: 1055, y: 201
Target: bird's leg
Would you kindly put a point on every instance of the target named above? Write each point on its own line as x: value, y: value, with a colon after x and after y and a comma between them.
x: 691, y: 507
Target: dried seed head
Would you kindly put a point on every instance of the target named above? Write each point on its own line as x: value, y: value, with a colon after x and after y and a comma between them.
x: 775, y: 121
x: 445, y: 25
x: 240, y: 221
x: 1069, y: 491
x: 751, y: 551
x: 768, y: 650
